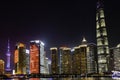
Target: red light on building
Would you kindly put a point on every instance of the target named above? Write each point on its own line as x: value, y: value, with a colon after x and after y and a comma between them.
x: 34, y: 59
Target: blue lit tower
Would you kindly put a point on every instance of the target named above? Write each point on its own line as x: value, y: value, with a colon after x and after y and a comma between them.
x: 8, y: 54
x: 102, y: 40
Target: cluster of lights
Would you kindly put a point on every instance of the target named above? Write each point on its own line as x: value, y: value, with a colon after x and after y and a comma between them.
x: 27, y: 51
x: 53, y: 48
x: 38, y: 41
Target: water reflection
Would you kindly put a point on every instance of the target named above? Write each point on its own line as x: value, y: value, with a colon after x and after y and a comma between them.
x: 100, y: 78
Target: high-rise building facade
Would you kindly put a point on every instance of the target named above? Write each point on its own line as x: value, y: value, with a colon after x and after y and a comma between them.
x: 92, y: 66
x: 42, y: 58
x: 84, y: 58
x: 2, y: 67
x: 54, y: 60
x: 49, y: 66
x: 27, y: 61
x: 111, y: 60
x: 80, y: 58
x: 20, y: 59
x: 8, y: 56
x: 65, y: 60
x: 37, y: 64
x: 46, y: 66
x: 115, y: 58
x: 102, y: 40
x: 76, y: 58
x: 46, y: 70
x: 34, y: 58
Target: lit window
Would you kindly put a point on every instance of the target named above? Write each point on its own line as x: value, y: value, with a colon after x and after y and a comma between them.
x: 101, y: 59
x: 106, y: 41
x: 99, y: 42
x: 102, y: 21
x: 101, y: 14
x: 107, y: 50
x: 97, y: 24
x: 100, y: 50
x: 104, y: 32
x: 98, y: 33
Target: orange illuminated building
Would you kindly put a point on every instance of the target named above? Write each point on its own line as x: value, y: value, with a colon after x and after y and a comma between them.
x: 20, y: 59
x: 16, y: 56
x: 2, y: 63
x: 34, y: 58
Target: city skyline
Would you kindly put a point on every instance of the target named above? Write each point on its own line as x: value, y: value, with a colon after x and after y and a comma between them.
x: 55, y: 23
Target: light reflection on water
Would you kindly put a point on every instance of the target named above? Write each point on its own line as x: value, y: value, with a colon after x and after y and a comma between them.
x: 102, y: 78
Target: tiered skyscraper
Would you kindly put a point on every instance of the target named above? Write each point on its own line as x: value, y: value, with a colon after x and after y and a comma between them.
x: 102, y: 40
x: 8, y: 54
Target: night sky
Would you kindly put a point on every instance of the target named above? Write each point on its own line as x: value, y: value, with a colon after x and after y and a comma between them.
x: 56, y: 23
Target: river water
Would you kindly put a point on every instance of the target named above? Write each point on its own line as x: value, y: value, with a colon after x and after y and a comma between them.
x: 100, y: 78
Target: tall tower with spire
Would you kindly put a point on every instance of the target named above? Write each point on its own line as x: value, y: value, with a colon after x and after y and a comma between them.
x: 102, y: 40
x: 8, y: 54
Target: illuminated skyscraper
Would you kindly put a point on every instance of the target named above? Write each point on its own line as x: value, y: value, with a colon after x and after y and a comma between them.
x: 92, y: 66
x: 115, y: 58
x: 20, y: 58
x: 79, y: 58
x: 49, y: 66
x: 2, y: 67
x: 42, y: 58
x: 34, y: 57
x: 8, y: 55
x: 84, y: 58
x: 37, y: 58
x: 76, y: 56
x: 102, y: 40
x: 65, y: 60
x: 27, y: 61
x: 46, y: 66
x: 54, y: 60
